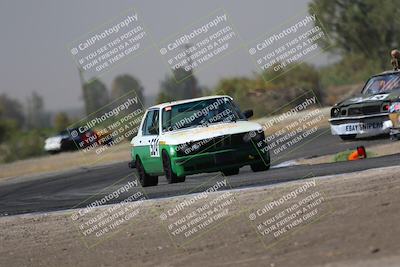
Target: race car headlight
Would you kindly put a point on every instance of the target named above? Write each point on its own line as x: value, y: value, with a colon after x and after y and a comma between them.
x: 335, y: 112
x: 385, y: 106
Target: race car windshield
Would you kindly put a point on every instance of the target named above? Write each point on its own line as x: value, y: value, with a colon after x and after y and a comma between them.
x: 382, y: 84
x: 199, y: 114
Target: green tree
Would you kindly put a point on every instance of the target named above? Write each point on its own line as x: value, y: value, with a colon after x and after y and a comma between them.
x: 11, y: 110
x: 95, y: 95
x: 238, y: 88
x: 302, y: 78
x: 267, y: 97
x: 36, y: 117
x: 6, y: 127
x: 181, y: 85
x: 349, y: 70
x: 22, y: 145
x: 366, y: 27
x: 3, y: 131
x: 124, y: 84
x: 61, y: 121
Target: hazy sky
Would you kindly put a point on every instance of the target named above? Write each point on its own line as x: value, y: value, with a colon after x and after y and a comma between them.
x: 35, y: 35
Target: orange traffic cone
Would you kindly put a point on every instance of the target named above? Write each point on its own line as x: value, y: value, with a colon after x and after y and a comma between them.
x: 360, y: 153
x: 353, y: 156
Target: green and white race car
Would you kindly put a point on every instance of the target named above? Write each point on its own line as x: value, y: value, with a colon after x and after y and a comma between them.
x: 206, y: 134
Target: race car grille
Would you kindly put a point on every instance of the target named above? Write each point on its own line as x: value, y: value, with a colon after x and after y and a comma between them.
x: 367, y: 110
x: 212, y: 144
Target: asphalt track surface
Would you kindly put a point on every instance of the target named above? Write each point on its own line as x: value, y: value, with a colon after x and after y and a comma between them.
x: 73, y: 188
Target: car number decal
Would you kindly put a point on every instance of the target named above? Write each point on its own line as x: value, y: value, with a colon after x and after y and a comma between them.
x: 370, y: 98
x: 378, y: 97
x: 154, y: 147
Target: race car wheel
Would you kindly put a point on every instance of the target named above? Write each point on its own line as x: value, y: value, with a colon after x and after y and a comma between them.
x: 144, y: 178
x: 348, y: 137
x: 169, y: 173
x: 229, y: 172
x: 259, y: 167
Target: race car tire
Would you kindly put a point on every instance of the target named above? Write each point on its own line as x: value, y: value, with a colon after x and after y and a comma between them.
x: 172, y: 178
x: 259, y: 167
x: 231, y: 171
x: 348, y: 137
x: 144, y: 178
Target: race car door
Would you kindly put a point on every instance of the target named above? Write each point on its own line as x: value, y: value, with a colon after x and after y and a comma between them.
x: 150, y: 140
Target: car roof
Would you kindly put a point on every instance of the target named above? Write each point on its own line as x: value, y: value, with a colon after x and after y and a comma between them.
x: 167, y: 104
x: 387, y: 73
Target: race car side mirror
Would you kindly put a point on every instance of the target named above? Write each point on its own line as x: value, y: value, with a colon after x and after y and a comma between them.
x: 248, y: 113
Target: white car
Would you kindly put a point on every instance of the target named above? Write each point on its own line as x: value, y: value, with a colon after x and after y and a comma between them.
x: 206, y: 134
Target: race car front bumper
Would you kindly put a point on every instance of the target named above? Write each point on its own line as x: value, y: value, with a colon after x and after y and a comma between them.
x: 218, y: 160
x: 361, y: 125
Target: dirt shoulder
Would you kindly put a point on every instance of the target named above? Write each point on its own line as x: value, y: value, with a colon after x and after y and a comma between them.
x: 359, y: 227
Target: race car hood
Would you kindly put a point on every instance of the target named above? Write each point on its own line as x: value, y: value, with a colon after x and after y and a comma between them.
x: 199, y: 133
x: 365, y: 99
